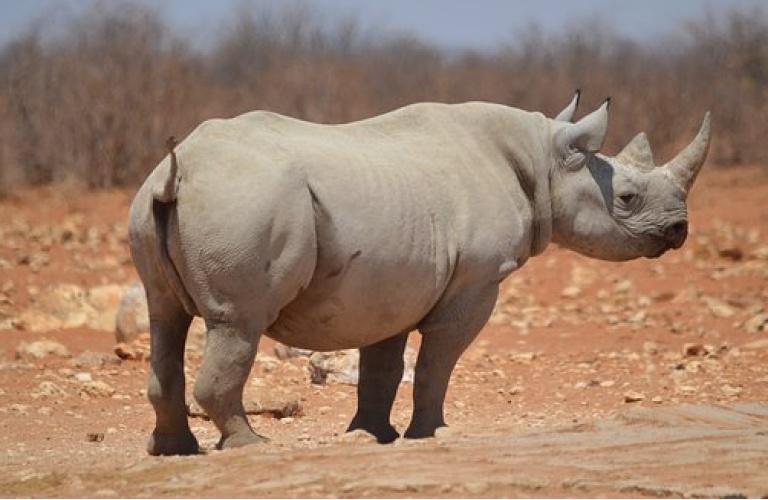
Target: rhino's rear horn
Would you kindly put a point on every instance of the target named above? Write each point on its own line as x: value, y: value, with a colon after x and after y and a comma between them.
x: 586, y: 135
x: 638, y: 153
x: 566, y: 115
x: 684, y: 167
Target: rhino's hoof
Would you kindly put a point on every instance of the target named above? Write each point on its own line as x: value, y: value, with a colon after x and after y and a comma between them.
x: 182, y: 443
x: 239, y: 439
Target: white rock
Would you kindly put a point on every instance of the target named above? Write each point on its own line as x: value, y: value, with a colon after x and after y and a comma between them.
x: 356, y: 436
x: 283, y: 352
x: 633, y: 396
x: 730, y: 390
x: 342, y: 367
x: 41, y: 348
x: 132, y: 316
x: 757, y: 323
x: 719, y: 308
x: 571, y: 292
x: 105, y: 301
x: 48, y: 389
x: 97, y: 389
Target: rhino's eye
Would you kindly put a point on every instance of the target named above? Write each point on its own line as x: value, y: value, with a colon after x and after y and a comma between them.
x: 628, y: 198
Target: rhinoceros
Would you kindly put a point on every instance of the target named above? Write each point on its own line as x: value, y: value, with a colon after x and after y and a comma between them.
x: 329, y: 237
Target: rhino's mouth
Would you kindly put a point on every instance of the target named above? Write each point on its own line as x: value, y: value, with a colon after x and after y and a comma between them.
x: 658, y: 253
x: 661, y: 248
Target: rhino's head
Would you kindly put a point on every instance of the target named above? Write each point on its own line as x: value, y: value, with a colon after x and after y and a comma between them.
x: 621, y: 207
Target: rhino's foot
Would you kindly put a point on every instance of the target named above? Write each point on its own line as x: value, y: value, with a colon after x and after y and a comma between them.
x: 239, y: 439
x: 422, y: 431
x: 182, y: 443
x: 384, y: 433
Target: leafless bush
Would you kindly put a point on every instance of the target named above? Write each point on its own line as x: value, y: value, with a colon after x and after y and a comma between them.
x: 95, y: 102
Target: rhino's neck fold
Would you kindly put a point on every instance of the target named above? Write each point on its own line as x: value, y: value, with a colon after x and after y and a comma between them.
x: 529, y: 155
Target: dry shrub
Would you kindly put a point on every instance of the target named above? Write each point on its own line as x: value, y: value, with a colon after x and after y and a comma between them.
x: 95, y: 100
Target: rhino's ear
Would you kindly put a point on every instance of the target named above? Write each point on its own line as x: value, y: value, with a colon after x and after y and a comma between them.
x: 574, y: 142
x: 566, y: 115
x: 638, y: 153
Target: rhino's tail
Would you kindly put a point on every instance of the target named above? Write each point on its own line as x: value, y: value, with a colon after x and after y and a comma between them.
x: 166, y: 192
x: 163, y: 204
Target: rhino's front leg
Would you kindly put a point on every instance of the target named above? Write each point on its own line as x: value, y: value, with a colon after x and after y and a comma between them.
x: 447, y: 332
x: 227, y: 361
x: 381, y: 369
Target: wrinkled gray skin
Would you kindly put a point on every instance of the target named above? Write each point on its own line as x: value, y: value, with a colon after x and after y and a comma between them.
x: 351, y: 236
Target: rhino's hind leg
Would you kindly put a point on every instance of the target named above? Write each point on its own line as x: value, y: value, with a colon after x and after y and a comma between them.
x: 381, y: 369
x: 227, y: 361
x: 168, y: 326
x: 447, y: 332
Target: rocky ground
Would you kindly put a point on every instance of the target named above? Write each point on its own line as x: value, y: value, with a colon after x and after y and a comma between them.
x: 585, y: 382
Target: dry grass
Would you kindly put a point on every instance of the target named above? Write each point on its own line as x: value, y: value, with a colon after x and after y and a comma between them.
x: 93, y: 100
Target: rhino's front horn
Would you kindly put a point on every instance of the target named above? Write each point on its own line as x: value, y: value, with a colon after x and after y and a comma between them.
x: 684, y: 168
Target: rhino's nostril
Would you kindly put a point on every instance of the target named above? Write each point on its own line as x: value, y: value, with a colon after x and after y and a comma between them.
x: 676, y: 233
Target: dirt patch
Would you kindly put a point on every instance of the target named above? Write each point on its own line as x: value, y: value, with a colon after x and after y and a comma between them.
x: 708, y: 451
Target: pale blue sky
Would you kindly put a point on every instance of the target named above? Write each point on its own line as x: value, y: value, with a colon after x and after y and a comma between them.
x: 478, y: 24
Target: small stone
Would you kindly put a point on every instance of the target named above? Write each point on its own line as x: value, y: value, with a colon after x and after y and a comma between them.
x: 48, y: 389
x: 633, y: 396
x: 83, y: 377
x: 607, y: 383
x: 286, y: 420
x: 719, y: 308
x: 761, y: 344
x: 523, y: 357
x: 132, y: 314
x: 693, y: 349
x: 760, y: 253
x: 657, y: 399
x: 97, y: 389
x: 650, y: 347
x: 90, y: 359
x: 757, y: 323
x: 18, y: 408
x: 730, y: 390
x: 339, y: 367
x: 39, y: 349
x: 623, y: 286
x: 357, y: 436
x: 732, y: 253
x: 571, y: 292
x: 324, y: 410
x: 127, y: 352
x: 283, y: 352
x: 95, y: 437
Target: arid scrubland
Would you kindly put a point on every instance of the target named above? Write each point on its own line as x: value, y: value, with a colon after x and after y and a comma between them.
x: 90, y: 98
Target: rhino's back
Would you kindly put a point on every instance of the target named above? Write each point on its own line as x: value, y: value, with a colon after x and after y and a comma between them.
x: 394, y: 200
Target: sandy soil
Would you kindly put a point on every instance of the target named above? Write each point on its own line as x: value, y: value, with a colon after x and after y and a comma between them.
x: 583, y: 383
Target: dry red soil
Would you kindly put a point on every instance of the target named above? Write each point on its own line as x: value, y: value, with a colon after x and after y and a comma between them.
x: 625, y: 379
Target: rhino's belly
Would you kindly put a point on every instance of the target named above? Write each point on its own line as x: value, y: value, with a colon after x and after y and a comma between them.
x: 356, y: 311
